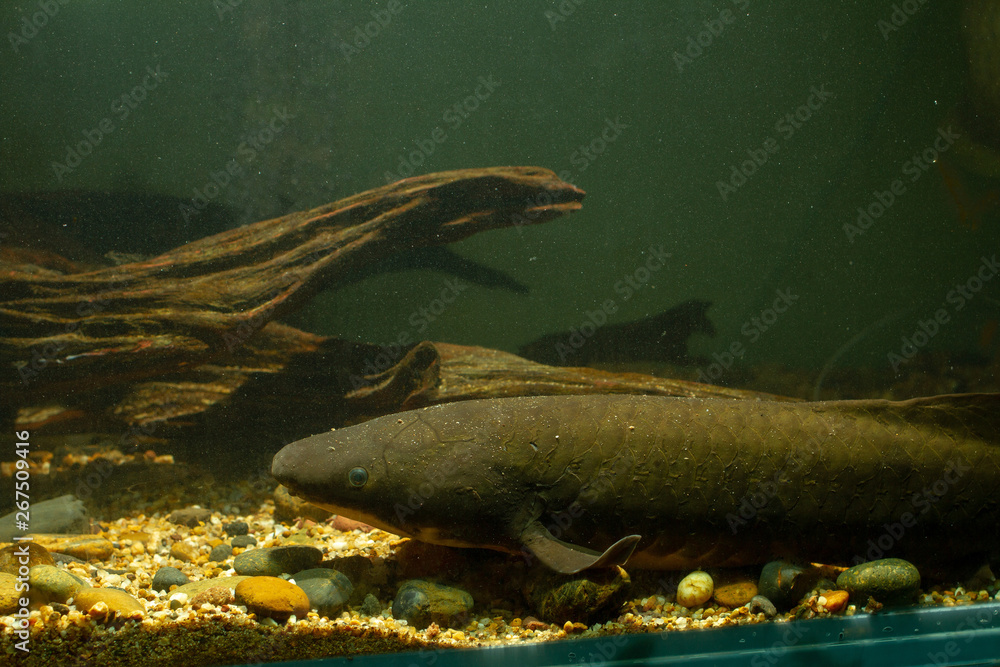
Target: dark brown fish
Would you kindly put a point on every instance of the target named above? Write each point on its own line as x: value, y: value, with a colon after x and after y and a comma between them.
x: 581, y: 481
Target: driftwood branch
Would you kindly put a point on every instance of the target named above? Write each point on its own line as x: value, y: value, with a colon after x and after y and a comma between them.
x: 211, y: 296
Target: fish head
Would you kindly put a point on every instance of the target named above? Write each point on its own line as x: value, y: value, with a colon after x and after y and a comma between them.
x: 445, y: 481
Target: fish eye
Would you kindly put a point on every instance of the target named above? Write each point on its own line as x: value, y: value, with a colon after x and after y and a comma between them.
x: 357, y: 477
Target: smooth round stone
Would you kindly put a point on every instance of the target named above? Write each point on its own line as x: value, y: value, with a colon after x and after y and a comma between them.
x: 84, y: 547
x: 9, y: 595
x: 53, y: 584
x: 735, y: 594
x: 236, y: 528
x: 783, y: 583
x: 190, y: 516
x: 695, y: 589
x: 272, y: 597
x: 588, y: 597
x: 119, y: 602
x: 166, y: 577
x: 10, y: 557
x: 889, y: 580
x: 328, y: 590
x: 243, y: 541
x: 273, y: 561
x: 195, y: 587
x: 220, y: 553
x: 421, y: 603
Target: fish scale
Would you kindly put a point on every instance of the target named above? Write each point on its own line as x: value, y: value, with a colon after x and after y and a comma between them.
x: 592, y: 480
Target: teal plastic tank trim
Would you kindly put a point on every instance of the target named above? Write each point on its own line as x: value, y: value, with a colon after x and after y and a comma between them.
x: 967, y: 635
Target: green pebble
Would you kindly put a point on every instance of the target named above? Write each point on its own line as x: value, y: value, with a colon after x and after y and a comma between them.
x: 421, y: 603
x: 275, y: 561
x: 889, y: 580
x: 52, y: 584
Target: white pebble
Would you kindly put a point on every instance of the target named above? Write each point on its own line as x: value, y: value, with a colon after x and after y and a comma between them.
x: 695, y: 589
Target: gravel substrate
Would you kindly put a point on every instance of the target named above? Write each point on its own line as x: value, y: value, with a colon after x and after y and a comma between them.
x: 173, y: 632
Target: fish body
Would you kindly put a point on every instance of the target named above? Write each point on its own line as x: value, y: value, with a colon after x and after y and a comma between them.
x: 669, y: 482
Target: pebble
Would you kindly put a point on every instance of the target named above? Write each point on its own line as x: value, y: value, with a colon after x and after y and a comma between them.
x: 271, y: 597
x: 119, y: 602
x: 184, y: 551
x: 236, y: 528
x: 273, y: 561
x: 532, y: 623
x: 220, y: 553
x: 10, y: 556
x: 9, y: 595
x: 735, y: 594
x: 421, y: 603
x: 52, y: 584
x: 371, y: 606
x: 196, y: 587
x: 288, y: 508
x: 65, y: 514
x: 695, y: 589
x: 328, y: 590
x: 587, y: 597
x: 889, y: 580
x: 761, y: 605
x: 190, y: 516
x: 836, y: 601
x: 243, y: 541
x: 784, y: 583
x: 84, y: 547
x: 166, y: 577
x: 217, y: 595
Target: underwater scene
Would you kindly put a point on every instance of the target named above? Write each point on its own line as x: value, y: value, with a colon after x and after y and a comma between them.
x: 553, y: 332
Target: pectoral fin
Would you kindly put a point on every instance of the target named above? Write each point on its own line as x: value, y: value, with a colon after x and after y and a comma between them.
x: 567, y: 558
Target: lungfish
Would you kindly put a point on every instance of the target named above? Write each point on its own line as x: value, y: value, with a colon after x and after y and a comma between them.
x: 669, y: 482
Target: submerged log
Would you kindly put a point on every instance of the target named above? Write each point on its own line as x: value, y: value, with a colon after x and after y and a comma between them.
x: 209, y: 297
x: 184, y: 343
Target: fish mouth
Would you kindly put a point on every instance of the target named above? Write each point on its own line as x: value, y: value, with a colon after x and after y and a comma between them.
x: 283, y: 467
